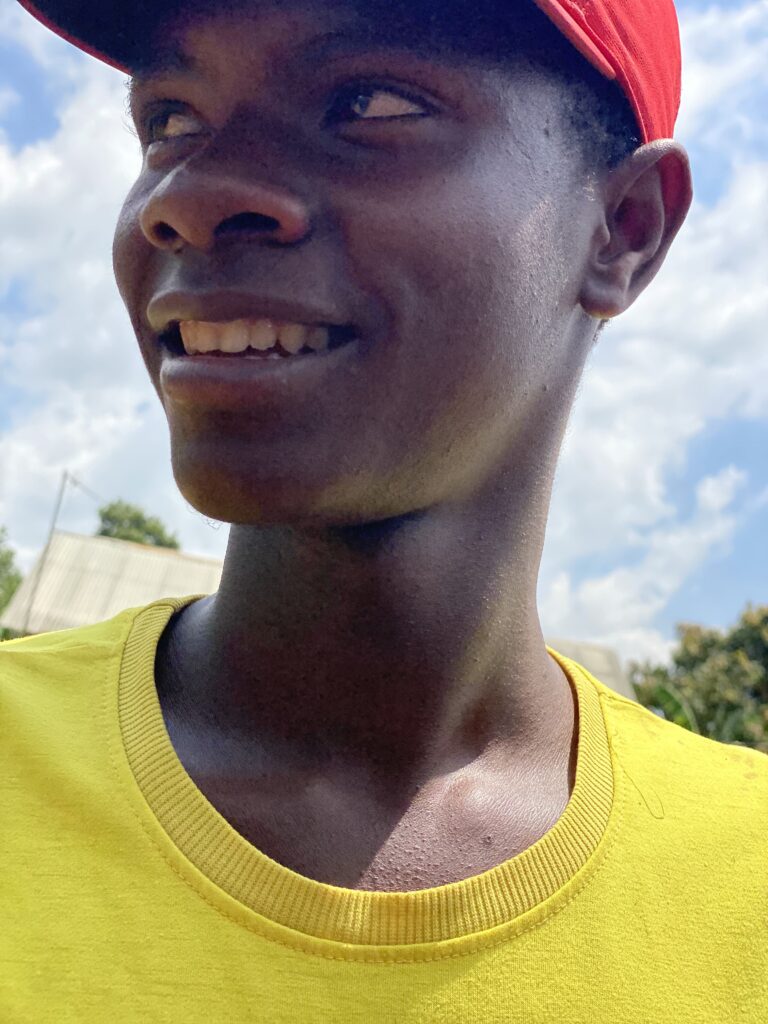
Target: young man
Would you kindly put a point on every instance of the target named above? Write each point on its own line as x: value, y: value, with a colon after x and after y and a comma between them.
x: 366, y: 258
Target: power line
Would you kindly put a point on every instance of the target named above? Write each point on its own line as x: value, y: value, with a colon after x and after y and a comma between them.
x: 87, y: 490
x: 65, y: 479
x: 44, y: 556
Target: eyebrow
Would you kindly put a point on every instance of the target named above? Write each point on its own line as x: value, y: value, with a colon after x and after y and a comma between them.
x: 368, y: 36
x: 319, y: 48
x: 329, y: 44
x: 175, y: 61
x: 169, y: 62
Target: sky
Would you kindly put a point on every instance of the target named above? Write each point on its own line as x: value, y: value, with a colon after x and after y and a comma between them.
x: 660, y: 508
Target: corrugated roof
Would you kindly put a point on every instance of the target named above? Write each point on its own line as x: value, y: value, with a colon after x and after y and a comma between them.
x: 602, y: 662
x: 89, y: 579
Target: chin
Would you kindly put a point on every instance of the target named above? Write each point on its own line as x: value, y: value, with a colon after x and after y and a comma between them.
x: 247, y: 479
x: 245, y: 499
x: 260, y: 495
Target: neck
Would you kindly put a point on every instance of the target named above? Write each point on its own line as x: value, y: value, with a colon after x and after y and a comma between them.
x: 408, y: 646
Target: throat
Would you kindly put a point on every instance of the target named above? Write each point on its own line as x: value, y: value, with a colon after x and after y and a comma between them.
x: 335, y: 828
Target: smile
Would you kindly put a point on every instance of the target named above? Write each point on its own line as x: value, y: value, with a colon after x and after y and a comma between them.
x: 256, y: 338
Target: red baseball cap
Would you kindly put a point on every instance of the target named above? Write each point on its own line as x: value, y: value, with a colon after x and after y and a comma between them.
x: 634, y: 42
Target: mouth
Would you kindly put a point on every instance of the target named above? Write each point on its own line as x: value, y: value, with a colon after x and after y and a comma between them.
x: 259, y: 339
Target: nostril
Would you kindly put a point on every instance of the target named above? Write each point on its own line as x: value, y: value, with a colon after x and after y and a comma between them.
x: 165, y: 233
x: 257, y: 222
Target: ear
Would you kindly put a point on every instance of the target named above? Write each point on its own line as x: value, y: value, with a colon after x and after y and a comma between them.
x: 644, y: 202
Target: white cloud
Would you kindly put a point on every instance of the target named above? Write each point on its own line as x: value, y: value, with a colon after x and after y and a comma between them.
x: 760, y: 500
x: 8, y: 99
x: 56, y: 58
x: 715, y: 493
x: 725, y: 53
x: 619, y: 607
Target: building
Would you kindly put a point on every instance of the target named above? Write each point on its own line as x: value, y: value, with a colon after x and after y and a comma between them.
x: 78, y: 580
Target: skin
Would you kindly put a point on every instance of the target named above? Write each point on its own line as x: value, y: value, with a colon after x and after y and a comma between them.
x: 368, y: 698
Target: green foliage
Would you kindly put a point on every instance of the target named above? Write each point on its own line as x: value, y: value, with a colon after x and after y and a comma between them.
x: 128, y: 522
x: 717, y: 684
x: 10, y: 577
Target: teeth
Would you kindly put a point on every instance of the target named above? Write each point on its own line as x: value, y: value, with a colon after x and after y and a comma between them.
x: 232, y: 337
x: 318, y: 338
x: 292, y: 337
x: 263, y: 334
x: 239, y: 335
x: 189, y: 334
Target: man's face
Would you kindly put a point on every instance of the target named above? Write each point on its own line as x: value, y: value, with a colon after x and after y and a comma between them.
x: 302, y: 168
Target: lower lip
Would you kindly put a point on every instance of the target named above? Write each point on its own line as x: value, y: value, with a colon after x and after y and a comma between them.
x: 233, y: 382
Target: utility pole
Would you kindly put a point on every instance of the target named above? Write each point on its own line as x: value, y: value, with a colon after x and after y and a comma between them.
x: 41, y: 564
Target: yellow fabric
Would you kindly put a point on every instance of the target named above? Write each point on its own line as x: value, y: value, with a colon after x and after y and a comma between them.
x: 127, y: 898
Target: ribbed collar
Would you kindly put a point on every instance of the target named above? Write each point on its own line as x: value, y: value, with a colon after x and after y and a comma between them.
x: 362, y: 918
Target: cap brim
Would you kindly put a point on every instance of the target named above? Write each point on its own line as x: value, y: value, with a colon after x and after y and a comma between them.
x: 117, y: 32
x: 113, y: 32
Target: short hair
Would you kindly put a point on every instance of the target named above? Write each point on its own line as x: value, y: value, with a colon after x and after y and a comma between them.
x: 597, y: 112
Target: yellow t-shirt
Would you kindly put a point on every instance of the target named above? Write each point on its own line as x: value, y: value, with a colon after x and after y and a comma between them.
x: 127, y: 899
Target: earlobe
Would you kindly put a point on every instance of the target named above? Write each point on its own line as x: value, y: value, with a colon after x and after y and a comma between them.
x: 645, y: 201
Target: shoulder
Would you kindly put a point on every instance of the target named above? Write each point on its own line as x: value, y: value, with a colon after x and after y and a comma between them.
x: 71, y: 658
x: 723, y: 786
x: 681, y: 746
x: 690, y: 827
x: 66, y: 642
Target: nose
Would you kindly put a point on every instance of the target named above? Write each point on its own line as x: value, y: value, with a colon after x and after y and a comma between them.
x: 191, y: 208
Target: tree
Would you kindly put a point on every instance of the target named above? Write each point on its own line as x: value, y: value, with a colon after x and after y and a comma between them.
x: 128, y: 522
x: 717, y: 684
x: 10, y: 577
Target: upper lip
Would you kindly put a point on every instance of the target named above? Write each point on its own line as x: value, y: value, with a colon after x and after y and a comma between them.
x: 168, y: 308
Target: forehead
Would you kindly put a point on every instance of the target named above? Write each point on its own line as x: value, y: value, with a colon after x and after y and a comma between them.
x: 301, y: 24
x: 484, y: 29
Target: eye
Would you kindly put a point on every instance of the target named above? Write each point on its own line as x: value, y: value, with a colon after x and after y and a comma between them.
x: 374, y: 103
x: 171, y: 123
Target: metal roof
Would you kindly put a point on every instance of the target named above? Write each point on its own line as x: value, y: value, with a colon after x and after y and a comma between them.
x: 602, y: 662
x: 89, y: 579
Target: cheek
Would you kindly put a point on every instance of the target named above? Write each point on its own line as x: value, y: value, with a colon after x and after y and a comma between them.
x: 131, y: 252
x: 465, y: 261
x: 133, y: 262
x: 464, y: 276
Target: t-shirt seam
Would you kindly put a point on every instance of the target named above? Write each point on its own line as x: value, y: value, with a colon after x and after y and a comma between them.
x: 615, y: 817
x: 299, y: 946
x: 637, y: 708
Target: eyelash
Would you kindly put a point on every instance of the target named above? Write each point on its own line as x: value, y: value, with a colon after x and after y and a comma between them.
x: 351, y: 91
x: 159, y: 112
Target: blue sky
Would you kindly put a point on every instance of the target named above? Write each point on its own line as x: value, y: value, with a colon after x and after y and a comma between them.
x: 32, y: 114
x: 660, y: 512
